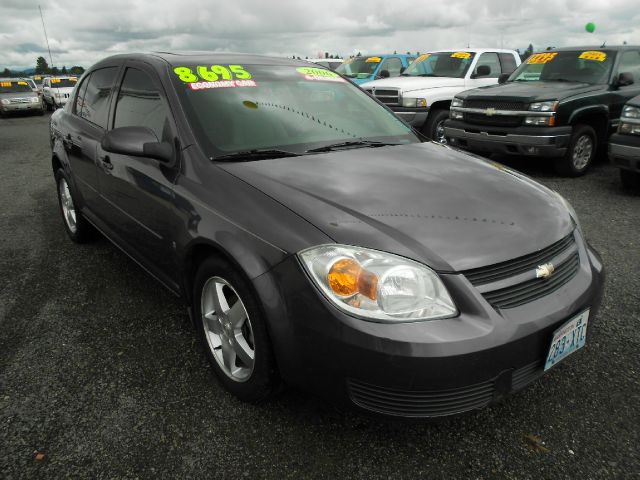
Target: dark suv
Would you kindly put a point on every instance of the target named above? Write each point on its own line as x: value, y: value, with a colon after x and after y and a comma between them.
x: 561, y: 103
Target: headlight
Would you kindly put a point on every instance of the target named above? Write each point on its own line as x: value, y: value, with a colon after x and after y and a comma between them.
x: 630, y: 112
x: 5, y: 101
x: 454, y: 115
x: 456, y: 102
x: 545, y: 121
x: 414, y: 102
x: 572, y: 212
x: 35, y: 100
x: 376, y: 285
x: 544, y: 106
x: 629, y: 128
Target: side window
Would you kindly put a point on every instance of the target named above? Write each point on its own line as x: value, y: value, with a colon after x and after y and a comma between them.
x: 95, y: 104
x: 79, y: 103
x: 508, y: 62
x: 141, y: 105
x: 392, y: 65
x: 489, y: 59
x: 630, y: 62
x: 45, y: 83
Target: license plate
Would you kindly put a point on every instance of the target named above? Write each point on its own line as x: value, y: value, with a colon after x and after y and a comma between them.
x: 567, y: 339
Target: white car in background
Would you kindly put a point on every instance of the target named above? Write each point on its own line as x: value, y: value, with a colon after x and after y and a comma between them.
x: 57, y: 90
x: 422, y: 94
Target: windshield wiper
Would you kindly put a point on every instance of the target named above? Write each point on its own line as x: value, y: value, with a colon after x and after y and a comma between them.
x: 255, y: 155
x: 353, y: 143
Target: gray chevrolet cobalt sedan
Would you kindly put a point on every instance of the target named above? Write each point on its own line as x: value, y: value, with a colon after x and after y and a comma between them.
x: 316, y: 240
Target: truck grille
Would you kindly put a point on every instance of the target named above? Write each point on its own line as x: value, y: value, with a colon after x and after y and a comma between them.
x: 494, y: 121
x: 566, y: 259
x: 517, y: 106
x: 388, y: 96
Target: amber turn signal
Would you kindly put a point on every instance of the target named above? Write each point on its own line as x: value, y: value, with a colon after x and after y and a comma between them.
x: 346, y: 277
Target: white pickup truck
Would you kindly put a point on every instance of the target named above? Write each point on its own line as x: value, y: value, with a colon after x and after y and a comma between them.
x: 57, y: 90
x: 422, y: 94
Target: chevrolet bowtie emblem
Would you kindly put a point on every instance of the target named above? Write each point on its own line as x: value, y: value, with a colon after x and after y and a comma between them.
x: 490, y: 111
x: 545, y: 271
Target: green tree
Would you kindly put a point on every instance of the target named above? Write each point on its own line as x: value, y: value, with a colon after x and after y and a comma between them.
x: 41, y: 65
x: 6, y: 72
x: 64, y: 70
x: 54, y: 71
x: 76, y: 70
x: 527, y: 53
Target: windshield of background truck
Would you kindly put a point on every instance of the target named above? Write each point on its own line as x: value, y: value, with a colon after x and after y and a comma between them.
x: 359, y: 67
x: 14, y: 87
x: 441, y: 64
x: 235, y: 108
x: 583, y: 66
x: 63, y: 82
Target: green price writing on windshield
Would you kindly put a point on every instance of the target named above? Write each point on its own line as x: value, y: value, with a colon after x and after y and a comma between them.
x: 211, y: 73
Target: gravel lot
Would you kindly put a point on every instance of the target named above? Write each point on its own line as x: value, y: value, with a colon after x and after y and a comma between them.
x: 100, y: 374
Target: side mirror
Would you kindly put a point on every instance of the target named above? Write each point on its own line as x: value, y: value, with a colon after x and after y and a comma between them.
x: 384, y: 74
x: 137, y: 142
x: 624, y: 79
x: 483, y: 71
x: 503, y: 77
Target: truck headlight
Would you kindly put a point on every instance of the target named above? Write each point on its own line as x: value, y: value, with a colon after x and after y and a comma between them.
x: 414, y: 102
x: 455, y: 115
x: 544, y: 106
x: 457, y: 102
x: 5, y: 101
x: 35, y: 99
x: 377, y: 286
x: 632, y: 124
x: 544, y: 121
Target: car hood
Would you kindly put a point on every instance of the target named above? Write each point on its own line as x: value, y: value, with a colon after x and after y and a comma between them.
x: 427, y: 202
x: 408, y: 84
x: 19, y: 95
x: 531, y: 91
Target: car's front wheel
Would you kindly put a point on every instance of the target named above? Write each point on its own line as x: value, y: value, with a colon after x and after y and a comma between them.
x: 233, y: 332
x: 580, y: 154
x: 434, y: 126
x: 77, y: 227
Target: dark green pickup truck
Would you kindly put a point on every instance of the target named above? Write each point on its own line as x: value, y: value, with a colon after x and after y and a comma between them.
x: 561, y: 103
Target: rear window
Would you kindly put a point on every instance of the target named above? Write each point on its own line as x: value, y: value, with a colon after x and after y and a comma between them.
x: 64, y: 82
x: 7, y: 86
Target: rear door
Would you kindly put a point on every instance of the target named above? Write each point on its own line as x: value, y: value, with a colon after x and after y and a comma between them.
x: 137, y: 192
x: 86, y: 126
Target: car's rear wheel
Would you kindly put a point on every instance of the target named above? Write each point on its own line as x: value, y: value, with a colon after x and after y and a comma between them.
x: 580, y: 154
x: 231, y: 327
x: 77, y: 227
x: 434, y: 126
x: 630, y: 179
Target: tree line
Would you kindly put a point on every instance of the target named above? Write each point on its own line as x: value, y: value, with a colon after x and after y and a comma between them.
x: 43, y: 68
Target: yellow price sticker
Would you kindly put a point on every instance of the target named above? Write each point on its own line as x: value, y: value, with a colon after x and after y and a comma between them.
x: 373, y: 60
x: 422, y: 58
x: 23, y: 83
x: 55, y: 80
x: 37, y: 77
x: 541, y: 58
x: 593, y: 55
x: 73, y: 79
x: 5, y: 84
x: 463, y: 55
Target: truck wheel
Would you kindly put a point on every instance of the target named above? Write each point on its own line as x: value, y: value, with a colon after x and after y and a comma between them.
x: 630, y: 179
x: 434, y: 126
x: 233, y: 332
x: 580, y: 154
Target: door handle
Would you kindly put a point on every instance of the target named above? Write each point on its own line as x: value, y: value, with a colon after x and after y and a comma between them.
x: 106, y: 162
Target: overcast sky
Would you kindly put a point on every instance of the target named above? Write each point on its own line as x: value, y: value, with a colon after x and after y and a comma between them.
x: 84, y: 31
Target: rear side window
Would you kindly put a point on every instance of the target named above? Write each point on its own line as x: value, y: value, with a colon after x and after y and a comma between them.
x: 141, y: 105
x: 393, y: 66
x: 508, y: 62
x: 490, y: 59
x: 630, y: 63
x: 80, y: 96
x: 95, y: 104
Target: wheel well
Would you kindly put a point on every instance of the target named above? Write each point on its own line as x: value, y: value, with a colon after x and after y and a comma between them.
x: 194, y: 257
x: 598, y: 121
x: 441, y: 105
x: 55, y: 163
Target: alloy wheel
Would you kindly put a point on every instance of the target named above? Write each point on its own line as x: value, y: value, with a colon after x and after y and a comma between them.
x: 582, y: 152
x: 68, y: 208
x: 227, y: 328
x: 440, y: 136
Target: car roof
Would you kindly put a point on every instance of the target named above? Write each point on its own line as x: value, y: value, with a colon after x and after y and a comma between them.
x: 473, y: 50
x: 14, y: 79
x: 591, y: 47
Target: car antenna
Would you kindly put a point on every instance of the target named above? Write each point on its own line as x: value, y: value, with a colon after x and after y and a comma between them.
x: 45, y: 36
x: 603, y: 44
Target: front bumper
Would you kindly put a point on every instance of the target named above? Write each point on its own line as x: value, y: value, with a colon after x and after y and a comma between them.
x: 624, y: 151
x: 416, y: 117
x: 21, y: 107
x: 421, y: 369
x: 530, y: 141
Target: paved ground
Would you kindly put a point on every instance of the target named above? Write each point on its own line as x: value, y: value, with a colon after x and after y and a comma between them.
x: 100, y: 375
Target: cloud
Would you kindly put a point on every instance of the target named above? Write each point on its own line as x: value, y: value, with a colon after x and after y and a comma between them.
x: 81, y: 33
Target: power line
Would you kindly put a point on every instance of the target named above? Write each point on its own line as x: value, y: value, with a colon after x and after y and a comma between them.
x: 45, y: 36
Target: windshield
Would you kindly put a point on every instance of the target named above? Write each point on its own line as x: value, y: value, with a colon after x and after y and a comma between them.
x: 63, y: 82
x: 440, y: 64
x: 14, y: 86
x: 234, y: 108
x: 590, y: 66
x: 359, y: 67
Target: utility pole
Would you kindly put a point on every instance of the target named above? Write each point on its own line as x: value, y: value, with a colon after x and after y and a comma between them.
x: 45, y: 36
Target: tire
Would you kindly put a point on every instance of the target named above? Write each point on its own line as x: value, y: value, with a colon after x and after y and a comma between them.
x: 236, y: 344
x: 77, y: 227
x: 434, y: 126
x: 630, y: 179
x: 583, y: 146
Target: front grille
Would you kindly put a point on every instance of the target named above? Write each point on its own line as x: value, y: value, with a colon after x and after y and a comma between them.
x: 437, y: 403
x: 493, y: 120
x: 498, y: 105
x: 510, y: 268
x: 19, y: 100
x: 410, y: 403
x: 386, y: 96
x: 531, y: 290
